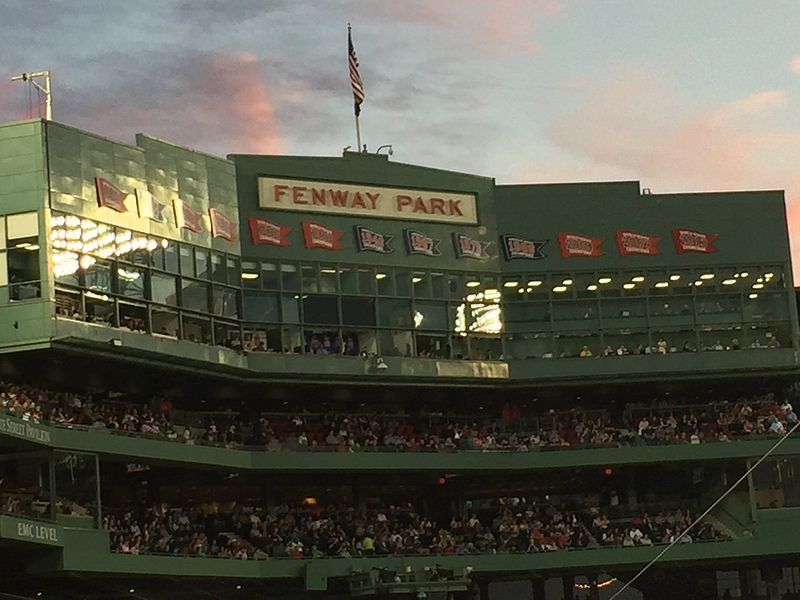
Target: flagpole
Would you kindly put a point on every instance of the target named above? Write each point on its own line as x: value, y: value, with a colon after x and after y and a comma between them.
x: 356, y: 85
x: 358, y: 135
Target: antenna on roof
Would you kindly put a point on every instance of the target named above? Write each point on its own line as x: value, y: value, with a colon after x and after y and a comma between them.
x: 45, y: 89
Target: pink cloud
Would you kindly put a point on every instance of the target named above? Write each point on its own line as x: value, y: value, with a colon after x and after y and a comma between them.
x: 638, y: 125
x: 242, y: 103
x: 795, y: 64
x: 493, y: 28
x: 217, y: 103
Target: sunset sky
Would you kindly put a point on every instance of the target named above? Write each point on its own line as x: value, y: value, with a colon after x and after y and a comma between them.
x: 680, y: 95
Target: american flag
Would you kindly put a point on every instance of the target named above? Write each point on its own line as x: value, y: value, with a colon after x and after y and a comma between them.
x: 355, y: 78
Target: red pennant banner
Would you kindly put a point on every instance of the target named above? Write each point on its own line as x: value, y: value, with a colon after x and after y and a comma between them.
x: 573, y: 244
x: 687, y: 240
x: 222, y: 226
x: 319, y: 236
x: 187, y: 217
x: 110, y: 196
x: 630, y: 242
x: 267, y: 232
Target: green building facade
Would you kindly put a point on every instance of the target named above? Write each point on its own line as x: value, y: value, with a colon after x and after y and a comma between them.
x: 273, y: 278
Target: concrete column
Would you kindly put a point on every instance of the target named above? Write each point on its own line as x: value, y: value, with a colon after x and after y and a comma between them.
x: 537, y: 587
x: 771, y: 576
x: 594, y: 591
x: 568, y: 583
x: 483, y: 586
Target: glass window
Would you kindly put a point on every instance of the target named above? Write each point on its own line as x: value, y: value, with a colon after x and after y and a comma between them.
x: 430, y: 315
x: 385, y: 282
x: 165, y: 322
x: 366, y: 281
x: 309, y: 276
x: 218, y: 268
x: 227, y: 334
x: 187, y: 261
x: 196, y: 329
x: 130, y: 282
x: 290, y: 308
x: 234, y: 274
x: 22, y: 266
x: 562, y: 286
x: 421, y: 283
x: 225, y: 303
x: 356, y: 341
x: 201, y: 263
x: 437, y: 285
x: 454, y: 287
x: 171, y: 258
x: 194, y: 295
x: 262, y: 308
x: 431, y: 346
x: 133, y: 316
x: 320, y: 309
x: 98, y: 277
x: 348, y: 278
x: 394, y: 313
x: 327, y: 279
x: 270, y: 279
x: 163, y: 289
x: 157, y: 257
x: 358, y: 311
x: 250, y: 275
x: 100, y: 309
x: 402, y: 280
x: 22, y: 225
x: 395, y: 343
x: 290, y: 278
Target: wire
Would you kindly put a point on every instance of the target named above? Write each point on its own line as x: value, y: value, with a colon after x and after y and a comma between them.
x: 708, y: 510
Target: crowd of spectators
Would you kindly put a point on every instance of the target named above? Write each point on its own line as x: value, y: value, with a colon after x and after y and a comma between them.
x: 511, y: 526
x: 362, y: 430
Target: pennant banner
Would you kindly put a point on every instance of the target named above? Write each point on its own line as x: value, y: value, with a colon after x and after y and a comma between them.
x: 319, y: 236
x: 110, y: 196
x: 419, y: 243
x: 630, y: 242
x: 467, y: 247
x: 267, y: 232
x: 573, y: 244
x: 516, y: 247
x: 372, y: 241
x: 222, y: 226
x: 187, y: 217
x: 687, y: 240
x: 149, y: 207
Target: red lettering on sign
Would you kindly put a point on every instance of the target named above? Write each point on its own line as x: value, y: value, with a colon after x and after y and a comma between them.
x: 278, y: 191
x: 373, y: 199
x: 338, y: 197
x: 297, y: 194
x: 358, y: 201
x: 318, y: 196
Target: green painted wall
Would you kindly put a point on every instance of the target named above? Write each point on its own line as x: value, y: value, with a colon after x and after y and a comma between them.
x: 600, y: 209
x: 116, y: 446
x: 368, y: 169
x: 87, y: 551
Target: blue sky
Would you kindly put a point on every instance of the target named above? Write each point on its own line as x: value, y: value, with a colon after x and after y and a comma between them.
x: 683, y: 96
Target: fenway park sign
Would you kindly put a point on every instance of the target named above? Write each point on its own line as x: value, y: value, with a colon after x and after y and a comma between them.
x: 366, y: 201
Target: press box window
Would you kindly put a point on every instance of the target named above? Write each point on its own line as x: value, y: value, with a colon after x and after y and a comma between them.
x: 21, y: 257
